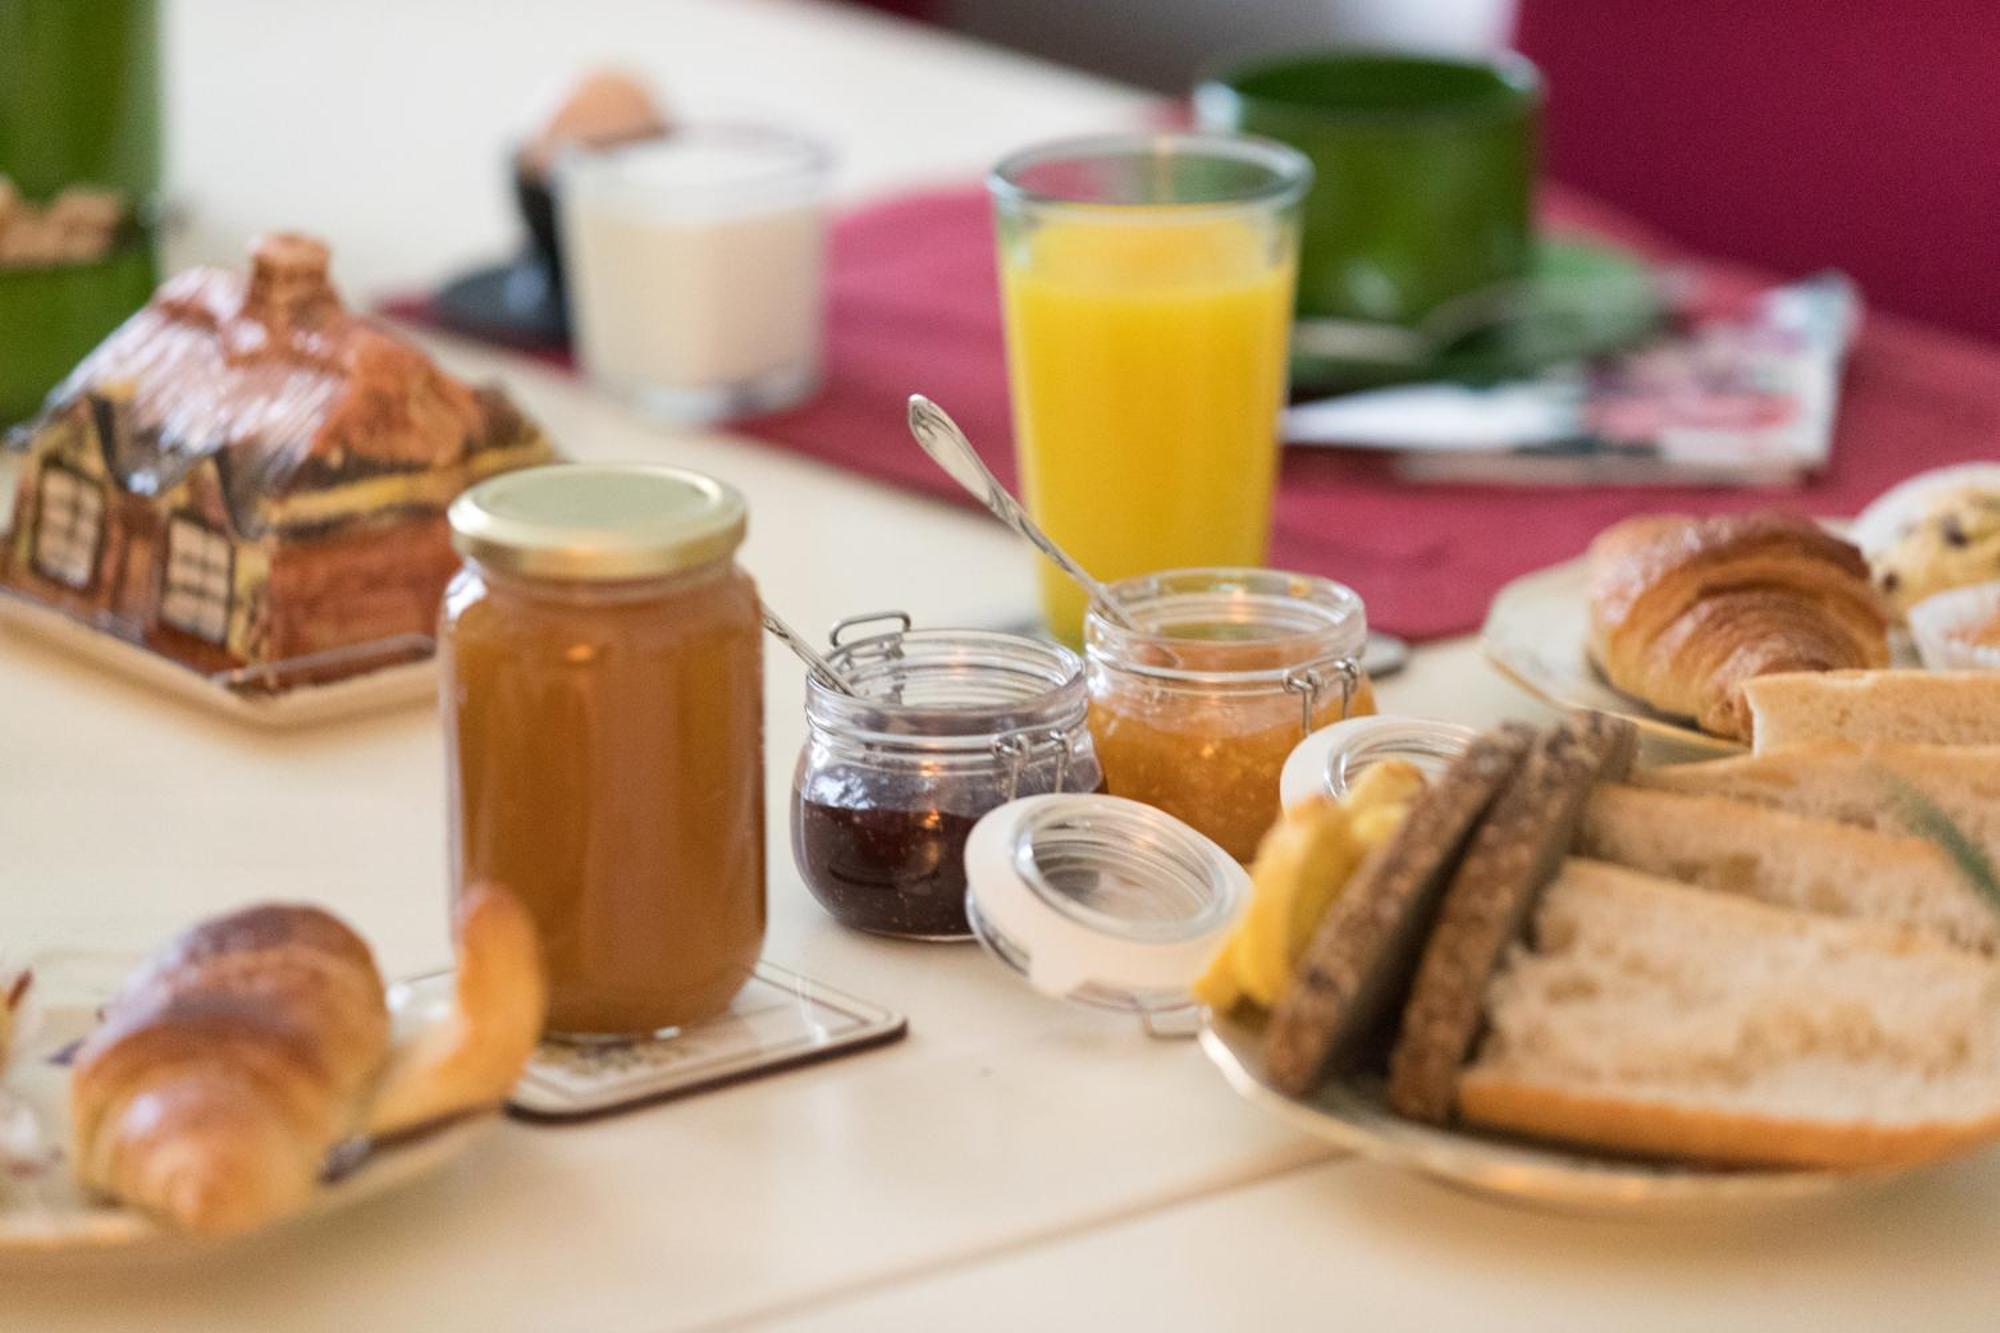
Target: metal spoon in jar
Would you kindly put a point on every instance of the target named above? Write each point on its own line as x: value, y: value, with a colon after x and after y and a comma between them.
x: 805, y: 652
x: 949, y: 449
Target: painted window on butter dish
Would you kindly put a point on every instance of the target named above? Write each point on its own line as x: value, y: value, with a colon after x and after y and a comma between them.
x: 69, y: 523
x: 196, y: 600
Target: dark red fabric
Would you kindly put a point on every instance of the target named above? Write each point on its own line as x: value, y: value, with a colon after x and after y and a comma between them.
x: 914, y: 308
x: 1794, y: 134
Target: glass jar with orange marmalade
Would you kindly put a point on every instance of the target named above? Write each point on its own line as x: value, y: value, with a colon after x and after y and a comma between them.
x: 1195, y: 710
x: 602, y: 686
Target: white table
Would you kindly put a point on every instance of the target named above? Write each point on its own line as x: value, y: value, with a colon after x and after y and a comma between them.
x: 1014, y: 1162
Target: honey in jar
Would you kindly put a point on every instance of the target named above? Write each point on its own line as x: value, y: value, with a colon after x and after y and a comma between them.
x: 1195, y: 710
x: 602, y: 691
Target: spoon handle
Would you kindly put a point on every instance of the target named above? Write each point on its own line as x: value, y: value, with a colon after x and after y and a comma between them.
x: 942, y: 439
x: 804, y: 651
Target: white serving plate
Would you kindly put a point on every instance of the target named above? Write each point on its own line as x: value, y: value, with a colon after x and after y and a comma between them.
x: 1537, y: 634
x: 42, y: 1210
x: 374, y: 691
x: 1352, y: 1116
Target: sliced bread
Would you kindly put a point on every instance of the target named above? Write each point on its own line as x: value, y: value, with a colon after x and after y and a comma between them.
x: 1357, y: 968
x: 1514, y: 851
x: 1914, y: 707
x: 1863, y: 786
x: 1655, y: 1018
x: 1789, y: 860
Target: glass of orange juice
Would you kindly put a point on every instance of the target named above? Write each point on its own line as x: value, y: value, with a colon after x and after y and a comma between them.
x: 1148, y: 282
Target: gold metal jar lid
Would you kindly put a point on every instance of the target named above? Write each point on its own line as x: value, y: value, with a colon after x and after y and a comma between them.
x: 598, y: 522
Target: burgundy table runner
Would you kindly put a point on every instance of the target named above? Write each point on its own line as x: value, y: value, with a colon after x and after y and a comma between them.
x: 913, y: 306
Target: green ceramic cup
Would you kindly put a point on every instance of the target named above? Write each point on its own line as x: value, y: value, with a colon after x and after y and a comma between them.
x: 1423, y: 172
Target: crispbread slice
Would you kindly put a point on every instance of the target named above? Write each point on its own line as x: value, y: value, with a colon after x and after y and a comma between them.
x: 1512, y: 855
x: 1359, y: 962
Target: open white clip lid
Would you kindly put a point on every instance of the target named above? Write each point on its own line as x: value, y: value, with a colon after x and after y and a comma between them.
x: 1326, y: 763
x: 1101, y: 900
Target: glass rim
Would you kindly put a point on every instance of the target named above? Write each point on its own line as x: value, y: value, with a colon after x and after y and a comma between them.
x: 1291, y: 171
x: 804, y: 160
x: 1340, y: 636
x: 1059, y: 703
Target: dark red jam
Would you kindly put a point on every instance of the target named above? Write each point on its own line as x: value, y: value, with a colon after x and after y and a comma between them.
x: 893, y: 872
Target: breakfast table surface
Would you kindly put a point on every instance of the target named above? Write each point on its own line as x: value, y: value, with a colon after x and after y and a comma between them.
x: 1014, y: 1161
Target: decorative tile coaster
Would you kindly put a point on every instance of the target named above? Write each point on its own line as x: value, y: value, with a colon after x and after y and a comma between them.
x: 779, y: 1021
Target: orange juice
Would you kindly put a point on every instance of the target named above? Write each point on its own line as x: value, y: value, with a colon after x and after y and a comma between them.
x: 1147, y: 354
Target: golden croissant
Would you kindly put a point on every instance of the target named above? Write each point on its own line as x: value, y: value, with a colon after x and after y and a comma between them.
x: 237, y: 1057
x: 1683, y: 611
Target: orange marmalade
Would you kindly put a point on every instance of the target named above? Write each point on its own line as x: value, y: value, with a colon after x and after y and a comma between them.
x: 603, y: 704
x: 1195, y: 709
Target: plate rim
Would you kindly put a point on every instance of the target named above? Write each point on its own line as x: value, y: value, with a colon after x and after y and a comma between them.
x: 111, y: 1228
x: 387, y: 689
x: 1649, y: 720
x: 1548, y: 1177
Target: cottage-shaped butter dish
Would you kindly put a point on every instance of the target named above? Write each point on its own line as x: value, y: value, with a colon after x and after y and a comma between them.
x: 240, y: 494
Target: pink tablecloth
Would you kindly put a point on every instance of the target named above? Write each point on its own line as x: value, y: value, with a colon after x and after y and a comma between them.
x: 914, y: 307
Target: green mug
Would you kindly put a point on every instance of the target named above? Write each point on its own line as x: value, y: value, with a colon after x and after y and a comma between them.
x: 79, y: 105
x: 1423, y: 173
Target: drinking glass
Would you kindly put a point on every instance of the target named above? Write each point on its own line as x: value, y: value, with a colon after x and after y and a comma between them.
x: 1148, y: 282
x: 695, y: 268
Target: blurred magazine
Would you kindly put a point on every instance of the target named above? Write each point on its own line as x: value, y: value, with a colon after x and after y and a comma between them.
x: 1741, y: 393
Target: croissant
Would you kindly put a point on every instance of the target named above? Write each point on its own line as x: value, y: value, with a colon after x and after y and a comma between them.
x: 235, y: 1059
x: 1683, y: 610
x: 470, y: 1058
x: 228, y: 1066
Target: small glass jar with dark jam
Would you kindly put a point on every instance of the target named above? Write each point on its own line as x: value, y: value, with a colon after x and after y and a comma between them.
x: 944, y: 725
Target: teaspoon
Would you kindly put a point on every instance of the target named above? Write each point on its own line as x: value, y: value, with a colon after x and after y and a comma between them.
x: 949, y: 449
x: 805, y: 652
x: 947, y: 446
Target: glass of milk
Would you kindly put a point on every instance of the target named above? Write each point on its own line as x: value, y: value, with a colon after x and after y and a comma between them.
x: 694, y: 264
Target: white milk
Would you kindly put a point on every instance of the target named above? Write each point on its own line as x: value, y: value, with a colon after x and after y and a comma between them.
x: 695, y: 269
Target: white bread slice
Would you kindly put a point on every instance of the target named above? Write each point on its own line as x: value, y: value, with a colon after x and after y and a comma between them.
x: 1654, y: 1018
x: 1919, y: 707
x: 1854, y: 785
x: 1788, y: 860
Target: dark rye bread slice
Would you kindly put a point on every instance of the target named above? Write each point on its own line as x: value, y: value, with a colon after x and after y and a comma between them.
x: 1512, y: 856
x: 1358, y: 965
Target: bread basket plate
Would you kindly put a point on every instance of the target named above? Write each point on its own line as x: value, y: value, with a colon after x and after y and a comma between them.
x: 1351, y: 1115
x: 396, y: 672
x: 42, y: 1210
x: 1537, y: 634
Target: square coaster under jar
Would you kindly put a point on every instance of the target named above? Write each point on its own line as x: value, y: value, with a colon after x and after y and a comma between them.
x: 780, y: 1020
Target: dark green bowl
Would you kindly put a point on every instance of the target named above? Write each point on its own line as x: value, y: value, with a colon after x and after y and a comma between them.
x: 1424, y: 172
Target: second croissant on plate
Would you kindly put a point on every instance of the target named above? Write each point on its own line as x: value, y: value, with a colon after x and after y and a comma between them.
x: 1683, y: 611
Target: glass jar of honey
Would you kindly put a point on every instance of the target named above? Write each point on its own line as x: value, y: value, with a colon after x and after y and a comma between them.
x: 943, y: 726
x: 601, y: 662
x: 1195, y: 710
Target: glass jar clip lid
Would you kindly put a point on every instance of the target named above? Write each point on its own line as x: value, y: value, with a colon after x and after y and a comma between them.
x: 1101, y: 900
x: 1327, y: 762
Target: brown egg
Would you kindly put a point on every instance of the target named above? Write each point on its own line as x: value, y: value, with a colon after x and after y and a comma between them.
x: 604, y: 107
